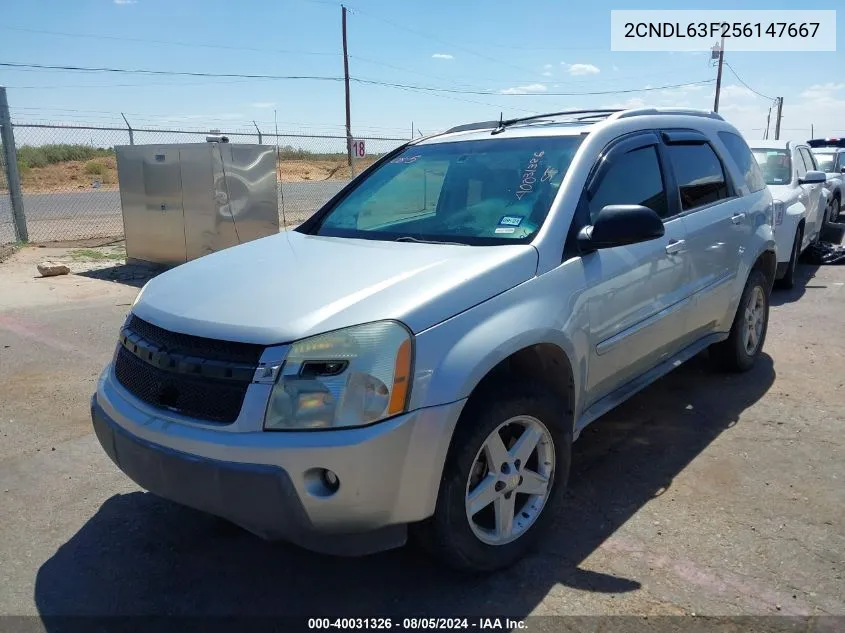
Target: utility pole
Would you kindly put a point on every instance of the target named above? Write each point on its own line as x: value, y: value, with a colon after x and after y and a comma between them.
x: 346, y: 83
x: 768, y: 123
x: 10, y: 157
x: 778, y: 117
x: 812, y: 134
x: 719, y: 76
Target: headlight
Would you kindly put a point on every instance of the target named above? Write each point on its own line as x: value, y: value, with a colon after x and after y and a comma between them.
x: 138, y: 296
x: 777, y: 210
x: 350, y: 377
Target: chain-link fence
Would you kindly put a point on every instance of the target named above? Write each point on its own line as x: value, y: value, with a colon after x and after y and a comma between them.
x: 70, y: 186
x: 7, y: 228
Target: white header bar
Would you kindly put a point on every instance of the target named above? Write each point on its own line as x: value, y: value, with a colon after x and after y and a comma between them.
x: 688, y: 30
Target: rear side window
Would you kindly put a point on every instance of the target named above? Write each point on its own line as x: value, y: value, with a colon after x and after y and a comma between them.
x: 738, y: 149
x: 633, y: 178
x: 700, y: 175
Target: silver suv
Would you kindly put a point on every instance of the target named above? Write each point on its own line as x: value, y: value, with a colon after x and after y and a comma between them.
x: 422, y: 352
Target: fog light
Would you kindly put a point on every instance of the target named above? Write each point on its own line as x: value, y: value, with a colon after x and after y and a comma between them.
x: 321, y: 482
x: 330, y: 480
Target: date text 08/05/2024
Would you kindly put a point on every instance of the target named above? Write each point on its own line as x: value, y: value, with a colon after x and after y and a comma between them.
x: 411, y: 624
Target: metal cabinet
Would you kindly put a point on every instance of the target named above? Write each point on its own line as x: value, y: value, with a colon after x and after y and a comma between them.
x: 184, y: 201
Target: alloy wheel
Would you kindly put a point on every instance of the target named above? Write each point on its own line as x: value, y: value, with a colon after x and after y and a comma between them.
x: 755, y: 312
x: 510, y: 480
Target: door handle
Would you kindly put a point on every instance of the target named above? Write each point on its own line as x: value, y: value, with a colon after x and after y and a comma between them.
x: 675, y: 247
x: 737, y: 218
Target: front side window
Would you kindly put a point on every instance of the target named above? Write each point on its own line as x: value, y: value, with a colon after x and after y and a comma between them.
x: 633, y: 178
x: 700, y: 175
x: 775, y: 164
x: 738, y: 149
x: 800, y: 165
x: 809, y: 161
x: 826, y: 161
x: 473, y: 192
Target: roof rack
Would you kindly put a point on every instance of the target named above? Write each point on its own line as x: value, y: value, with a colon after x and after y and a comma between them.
x: 624, y: 114
x: 501, y: 124
x: 580, y: 116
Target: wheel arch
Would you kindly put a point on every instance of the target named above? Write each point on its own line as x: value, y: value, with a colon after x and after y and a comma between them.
x: 766, y: 263
x: 545, y: 363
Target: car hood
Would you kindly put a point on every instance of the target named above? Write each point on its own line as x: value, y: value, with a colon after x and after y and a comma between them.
x: 288, y: 286
x: 784, y: 193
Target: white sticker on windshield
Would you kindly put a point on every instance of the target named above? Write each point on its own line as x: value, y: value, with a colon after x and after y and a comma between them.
x: 505, y: 229
x: 511, y: 220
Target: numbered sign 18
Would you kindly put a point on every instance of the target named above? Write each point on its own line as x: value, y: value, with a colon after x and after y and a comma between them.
x: 358, y: 149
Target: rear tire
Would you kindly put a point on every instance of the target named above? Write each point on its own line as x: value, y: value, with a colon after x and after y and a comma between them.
x: 464, y: 531
x: 788, y: 280
x: 740, y: 350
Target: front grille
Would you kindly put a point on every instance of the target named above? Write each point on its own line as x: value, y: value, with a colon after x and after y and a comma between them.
x: 195, y: 345
x: 198, y: 377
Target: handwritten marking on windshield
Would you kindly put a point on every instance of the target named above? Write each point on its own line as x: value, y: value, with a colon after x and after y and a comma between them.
x: 528, y: 179
x: 405, y: 159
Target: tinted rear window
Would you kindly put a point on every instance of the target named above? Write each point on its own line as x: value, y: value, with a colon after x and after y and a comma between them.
x: 741, y: 154
x: 700, y: 175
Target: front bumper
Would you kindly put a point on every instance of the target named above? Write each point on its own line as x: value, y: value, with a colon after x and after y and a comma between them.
x: 389, y: 472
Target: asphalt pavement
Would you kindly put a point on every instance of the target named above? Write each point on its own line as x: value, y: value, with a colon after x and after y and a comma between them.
x: 706, y: 493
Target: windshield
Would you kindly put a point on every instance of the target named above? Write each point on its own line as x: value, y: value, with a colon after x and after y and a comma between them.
x: 493, y: 191
x: 826, y: 160
x: 775, y: 164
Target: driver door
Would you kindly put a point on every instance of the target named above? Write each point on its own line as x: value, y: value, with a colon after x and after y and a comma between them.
x: 816, y: 206
x: 637, y: 295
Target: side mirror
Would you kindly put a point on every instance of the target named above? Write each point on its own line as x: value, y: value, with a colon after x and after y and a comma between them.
x: 621, y: 224
x: 812, y: 178
x: 842, y: 170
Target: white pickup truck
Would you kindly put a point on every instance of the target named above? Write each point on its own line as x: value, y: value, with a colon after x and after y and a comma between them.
x: 830, y: 156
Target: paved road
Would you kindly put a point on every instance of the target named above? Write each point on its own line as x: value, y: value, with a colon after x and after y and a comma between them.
x: 70, y: 215
x: 706, y: 493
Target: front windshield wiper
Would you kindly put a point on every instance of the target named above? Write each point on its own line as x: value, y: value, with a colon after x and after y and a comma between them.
x: 408, y: 238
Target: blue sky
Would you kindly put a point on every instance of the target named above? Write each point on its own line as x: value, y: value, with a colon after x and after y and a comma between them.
x: 489, y: 46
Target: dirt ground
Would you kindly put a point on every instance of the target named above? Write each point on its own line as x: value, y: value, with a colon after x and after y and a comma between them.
x: 705, y: 494
x: 73, y: 175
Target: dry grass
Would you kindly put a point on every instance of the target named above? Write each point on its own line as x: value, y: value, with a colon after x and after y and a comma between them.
x: 71, y: 175
x: 68, y: 176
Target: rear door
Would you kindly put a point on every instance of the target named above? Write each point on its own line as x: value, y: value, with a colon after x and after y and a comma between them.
x: 636, y: 293
x: 715, y: 218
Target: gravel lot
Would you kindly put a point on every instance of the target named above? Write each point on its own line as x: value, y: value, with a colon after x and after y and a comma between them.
x: 704, y: 494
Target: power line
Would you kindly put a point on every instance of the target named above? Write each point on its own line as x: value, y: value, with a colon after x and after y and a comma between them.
x: 300, y: 52
x: 484, y: 44
x: 358, y: 11
x: 359, y: 80
x: 170, y: 42
x: 532, y: 94
x: 139, y: 71
x: 177, y: 84
x: 739, y: 79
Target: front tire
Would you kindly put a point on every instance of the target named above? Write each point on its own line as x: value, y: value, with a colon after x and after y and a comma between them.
x: 740, y: 350
x: 503, y: 482
x: 835, y: 208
